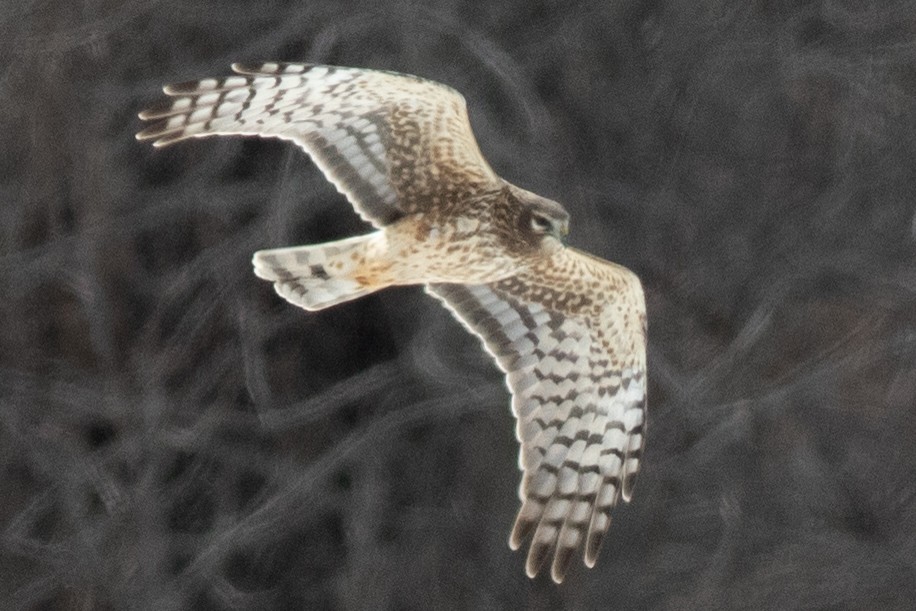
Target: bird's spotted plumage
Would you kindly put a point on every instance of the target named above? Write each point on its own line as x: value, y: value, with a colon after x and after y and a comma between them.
x: 568, y: 329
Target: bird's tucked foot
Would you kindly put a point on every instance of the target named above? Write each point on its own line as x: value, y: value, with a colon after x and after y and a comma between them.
x: 319, y: 276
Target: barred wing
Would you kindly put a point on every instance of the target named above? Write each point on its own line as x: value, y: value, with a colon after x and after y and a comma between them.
x: 575, y: 364
x: 393, y: 144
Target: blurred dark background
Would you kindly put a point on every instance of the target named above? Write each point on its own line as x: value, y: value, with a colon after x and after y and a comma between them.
x: 174, y: 436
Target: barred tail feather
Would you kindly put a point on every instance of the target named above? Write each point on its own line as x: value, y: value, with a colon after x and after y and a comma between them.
x: 316, y: 277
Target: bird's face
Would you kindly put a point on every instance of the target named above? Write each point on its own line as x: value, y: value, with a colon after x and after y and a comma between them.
x: 545, y: 221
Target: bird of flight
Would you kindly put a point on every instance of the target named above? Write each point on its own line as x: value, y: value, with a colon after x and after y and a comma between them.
x: 568, y: 329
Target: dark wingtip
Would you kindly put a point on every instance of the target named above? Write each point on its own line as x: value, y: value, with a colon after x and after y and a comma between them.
x: 189, y: 87
x: 626, y: 490
x: 561, y: 563
x: 159, y: 110
x: 592, y: 547
x: 161, y: 137
x: 593, y: 544
x: 246, y: 69
x: 536, y: 557
x: 270, y: 68
x: 149, y: 133
x: 520, y: 532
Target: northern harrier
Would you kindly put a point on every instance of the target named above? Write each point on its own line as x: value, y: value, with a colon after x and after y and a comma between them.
x: 567, y: 328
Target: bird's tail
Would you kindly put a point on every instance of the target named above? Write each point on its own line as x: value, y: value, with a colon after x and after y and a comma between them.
x: 319, y: 276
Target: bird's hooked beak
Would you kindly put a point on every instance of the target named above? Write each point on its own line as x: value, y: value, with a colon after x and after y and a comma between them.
x: 562, y: 232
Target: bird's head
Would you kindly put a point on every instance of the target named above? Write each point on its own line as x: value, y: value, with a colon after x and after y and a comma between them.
x: 542, y: 219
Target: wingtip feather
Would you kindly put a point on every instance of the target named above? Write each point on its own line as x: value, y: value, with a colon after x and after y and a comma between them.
x: 148, y: 133
x: 161, y: 136
x: 185, y: 87
x: 270, y: 68
x: 626, y: 490
x: 537, y: 555
x: 562, y: 560
x: 243, y: 68
x: 592, y: 547
x: 520, y: 531
x: 601, y: 522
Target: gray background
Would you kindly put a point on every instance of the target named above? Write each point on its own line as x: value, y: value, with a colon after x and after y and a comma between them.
x: 173, y: 435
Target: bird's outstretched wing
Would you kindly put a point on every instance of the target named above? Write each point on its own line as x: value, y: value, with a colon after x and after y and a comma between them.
x: 570, y: 336
x: 394, y: 144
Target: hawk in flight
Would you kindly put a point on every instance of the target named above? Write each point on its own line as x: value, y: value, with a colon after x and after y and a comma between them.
x: 568, y: 329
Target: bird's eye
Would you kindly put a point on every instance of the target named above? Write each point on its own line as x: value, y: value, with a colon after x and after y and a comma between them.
x: 540, y: 224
